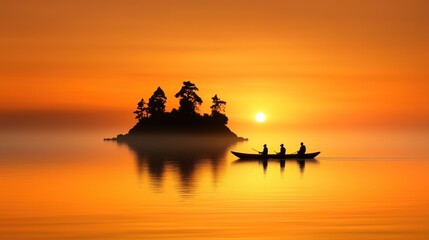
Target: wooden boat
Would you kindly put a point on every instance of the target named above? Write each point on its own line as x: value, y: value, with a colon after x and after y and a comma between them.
x: 275, y: 156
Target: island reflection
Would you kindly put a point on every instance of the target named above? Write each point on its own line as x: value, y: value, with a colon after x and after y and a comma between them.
x: 185, y: 155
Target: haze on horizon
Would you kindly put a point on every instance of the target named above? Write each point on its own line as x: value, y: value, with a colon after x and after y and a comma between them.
x: 303, y: 63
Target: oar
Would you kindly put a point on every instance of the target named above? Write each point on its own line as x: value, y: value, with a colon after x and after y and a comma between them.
x: 255, y: 150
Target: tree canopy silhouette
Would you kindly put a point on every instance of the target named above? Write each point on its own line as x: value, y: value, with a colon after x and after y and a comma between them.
x: 156, y: 105
x: 218, y: 105
x: 141, y: 111
x: 189, y: 99
x: 154, y: 120
x: 218, y: 108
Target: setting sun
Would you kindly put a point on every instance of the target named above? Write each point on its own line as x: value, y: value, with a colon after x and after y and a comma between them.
x: 260, y: 117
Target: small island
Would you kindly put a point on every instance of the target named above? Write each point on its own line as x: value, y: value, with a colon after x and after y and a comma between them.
x: 154, y: 123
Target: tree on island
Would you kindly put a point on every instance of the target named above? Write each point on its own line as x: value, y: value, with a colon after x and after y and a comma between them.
x: 141, y: 111
x: 218, y: 109
x: 186, y: 121
x: 156, y: 105
x: 189, y: 99
x: 218, y: 105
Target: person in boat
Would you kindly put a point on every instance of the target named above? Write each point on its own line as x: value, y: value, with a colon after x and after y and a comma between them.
x: 302, y: 149
x: 264, y: 151
x: 282, y: 150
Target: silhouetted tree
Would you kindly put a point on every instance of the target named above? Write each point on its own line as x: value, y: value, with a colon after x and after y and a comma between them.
x: 218, y: 105
x: 218, y: 108
x: 156, y: 105
x: 152, y: 117
x: 189, y: 100
x: 141, y: 111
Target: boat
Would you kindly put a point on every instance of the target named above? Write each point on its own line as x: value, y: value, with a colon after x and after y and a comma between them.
x: 275, y: 156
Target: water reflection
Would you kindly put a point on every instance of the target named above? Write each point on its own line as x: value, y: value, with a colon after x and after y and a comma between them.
x: 282, y: 163
x: 185, y: 156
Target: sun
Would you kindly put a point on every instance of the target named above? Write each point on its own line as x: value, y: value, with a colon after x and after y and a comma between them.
x: 260, y: 117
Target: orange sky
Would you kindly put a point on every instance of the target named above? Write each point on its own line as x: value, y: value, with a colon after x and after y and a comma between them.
x: 326, y: 63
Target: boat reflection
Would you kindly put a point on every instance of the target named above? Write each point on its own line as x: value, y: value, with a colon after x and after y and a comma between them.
x: 182, y: 156
x: 282, y: 162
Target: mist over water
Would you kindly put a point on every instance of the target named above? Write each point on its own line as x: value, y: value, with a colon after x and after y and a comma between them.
x: 58, y: 185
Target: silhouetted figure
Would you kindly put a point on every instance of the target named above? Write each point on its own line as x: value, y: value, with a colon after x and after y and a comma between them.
x: 264, y: 151
x: 302, y: 149
x: 282, y: 150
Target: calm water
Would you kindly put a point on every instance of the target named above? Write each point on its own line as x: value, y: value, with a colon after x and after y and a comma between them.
x: 79, y: 187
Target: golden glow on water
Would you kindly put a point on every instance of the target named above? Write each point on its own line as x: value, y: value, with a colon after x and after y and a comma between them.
x: 101, y: 190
